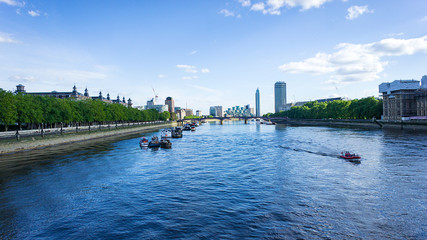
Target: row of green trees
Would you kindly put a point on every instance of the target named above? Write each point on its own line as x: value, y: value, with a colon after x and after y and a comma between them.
x: 365, y: 108
x: 29, y: 110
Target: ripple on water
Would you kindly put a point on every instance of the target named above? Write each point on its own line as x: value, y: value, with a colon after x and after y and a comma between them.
x: 223, y: 181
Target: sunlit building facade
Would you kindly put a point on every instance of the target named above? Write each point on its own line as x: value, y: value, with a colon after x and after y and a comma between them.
x: 279, y: 96
x: 257, y: 103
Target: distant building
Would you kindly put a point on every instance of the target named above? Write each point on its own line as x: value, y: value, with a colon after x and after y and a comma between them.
x: 257, y: 106
x: 238, y: 111
x: 75, y: 95
x: 216, y: 111
x: 330, y: 99
x: 171, y: 104
x: 288, y: 106
x: 152, y: 104
x: 404, y: 99
x: 199, y: 113
x: 180, y: 113
x: 279, y: 96
x: 250, y: 110
x: 188, y: 112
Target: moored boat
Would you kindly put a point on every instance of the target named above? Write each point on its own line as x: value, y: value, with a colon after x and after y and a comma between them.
x: 166, y: 133
x: 187, y: 127
x: 143, y: 142
x: 177, y: 133
x: 165, y: 143
x: 154, y: 143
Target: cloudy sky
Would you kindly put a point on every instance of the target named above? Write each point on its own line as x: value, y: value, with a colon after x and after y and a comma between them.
x: 205, y: 52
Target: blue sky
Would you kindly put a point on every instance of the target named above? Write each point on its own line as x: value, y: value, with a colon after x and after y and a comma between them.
x: 205, y: 53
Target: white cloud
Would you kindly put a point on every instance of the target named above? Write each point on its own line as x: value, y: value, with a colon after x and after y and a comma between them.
x: 357, y: 62
x: 22, y: 79
x: 7, y: 38
x: 245, y: 3
x: 34, y: 13
x: 189, y: 77
x: 424, y: 18
x: 355, y: 11
x: 226, y: 13
x: 161, y: 76
x: 304, y: 4
x: 395, y: 34
x: 273, y: 7
x: 258, y: 7
x: 187, y: 68
x: 193, y: 52
x: 205, y: 70
x: 11, y: 2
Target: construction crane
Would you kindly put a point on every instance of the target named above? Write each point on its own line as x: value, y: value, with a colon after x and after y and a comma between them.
x: 336, y: 89
x: 155, y: 95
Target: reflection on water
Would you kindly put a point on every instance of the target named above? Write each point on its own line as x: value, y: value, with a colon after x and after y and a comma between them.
x: 222, y: 181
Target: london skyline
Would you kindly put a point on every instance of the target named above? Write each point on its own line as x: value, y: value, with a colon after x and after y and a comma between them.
x: 212, y: 53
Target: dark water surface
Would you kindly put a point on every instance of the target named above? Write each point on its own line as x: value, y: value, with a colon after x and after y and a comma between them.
x: 233, y: 181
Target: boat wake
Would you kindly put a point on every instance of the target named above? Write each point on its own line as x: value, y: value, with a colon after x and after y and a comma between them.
x: 308, y: 151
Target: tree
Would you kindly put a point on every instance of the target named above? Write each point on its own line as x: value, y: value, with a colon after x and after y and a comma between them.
x: 164, y: 116
x: 8, y: 113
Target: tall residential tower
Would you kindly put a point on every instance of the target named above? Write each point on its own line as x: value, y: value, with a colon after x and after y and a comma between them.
x: 258, y: 112
x: 171, y: 104
x: 279, y: 96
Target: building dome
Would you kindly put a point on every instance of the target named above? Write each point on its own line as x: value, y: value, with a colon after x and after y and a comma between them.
x: 169, y: 98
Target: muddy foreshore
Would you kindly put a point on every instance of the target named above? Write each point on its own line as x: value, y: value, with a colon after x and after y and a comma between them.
x: 28, y: 144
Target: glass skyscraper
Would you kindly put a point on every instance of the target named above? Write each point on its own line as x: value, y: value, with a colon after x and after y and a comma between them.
x: 279, y: 96
x: 258, y: 112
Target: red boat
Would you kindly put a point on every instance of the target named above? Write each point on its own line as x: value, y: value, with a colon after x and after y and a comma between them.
x: 348, y: 155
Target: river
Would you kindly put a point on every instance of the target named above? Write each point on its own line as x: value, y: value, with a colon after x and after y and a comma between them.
x: 231, y: 181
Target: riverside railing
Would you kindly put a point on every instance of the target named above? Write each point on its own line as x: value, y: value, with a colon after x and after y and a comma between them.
x: 18, y: 134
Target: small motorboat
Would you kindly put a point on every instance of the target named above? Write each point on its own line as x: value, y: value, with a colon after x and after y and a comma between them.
x: 350, y: 157
x: 270, y: 123
x: 165, y: 143
x: 193, y: 128
x: 154, y: 143
x: 143, y: 142
x: 187, y: 127
x: 166, y: 133
x: 177, y: 133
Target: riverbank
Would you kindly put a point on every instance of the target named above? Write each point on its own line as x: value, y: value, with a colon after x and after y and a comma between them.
x: 407, y: 125
x: 13, y: 146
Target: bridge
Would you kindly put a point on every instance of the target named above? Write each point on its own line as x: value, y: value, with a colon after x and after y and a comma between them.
x: 246, y: 119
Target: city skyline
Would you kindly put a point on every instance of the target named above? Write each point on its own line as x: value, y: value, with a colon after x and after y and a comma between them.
x: 212, y: 53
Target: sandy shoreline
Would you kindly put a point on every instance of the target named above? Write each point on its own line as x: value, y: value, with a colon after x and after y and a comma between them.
x: 29, y: 144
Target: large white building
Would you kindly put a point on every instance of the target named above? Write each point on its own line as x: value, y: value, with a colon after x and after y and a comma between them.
x: 404, y: 99
x: 216, y: 111
x: 151, y: 104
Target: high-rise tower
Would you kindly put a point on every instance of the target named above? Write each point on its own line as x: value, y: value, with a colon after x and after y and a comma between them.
x: 258, y: 112
x: 171, y: 104
x: 279, y: 96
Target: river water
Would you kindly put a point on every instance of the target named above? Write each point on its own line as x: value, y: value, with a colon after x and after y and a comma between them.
x: 231, y: 181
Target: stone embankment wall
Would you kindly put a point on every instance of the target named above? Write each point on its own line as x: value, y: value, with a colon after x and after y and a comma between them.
x: 25, y: 144
x: 408, y: 125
